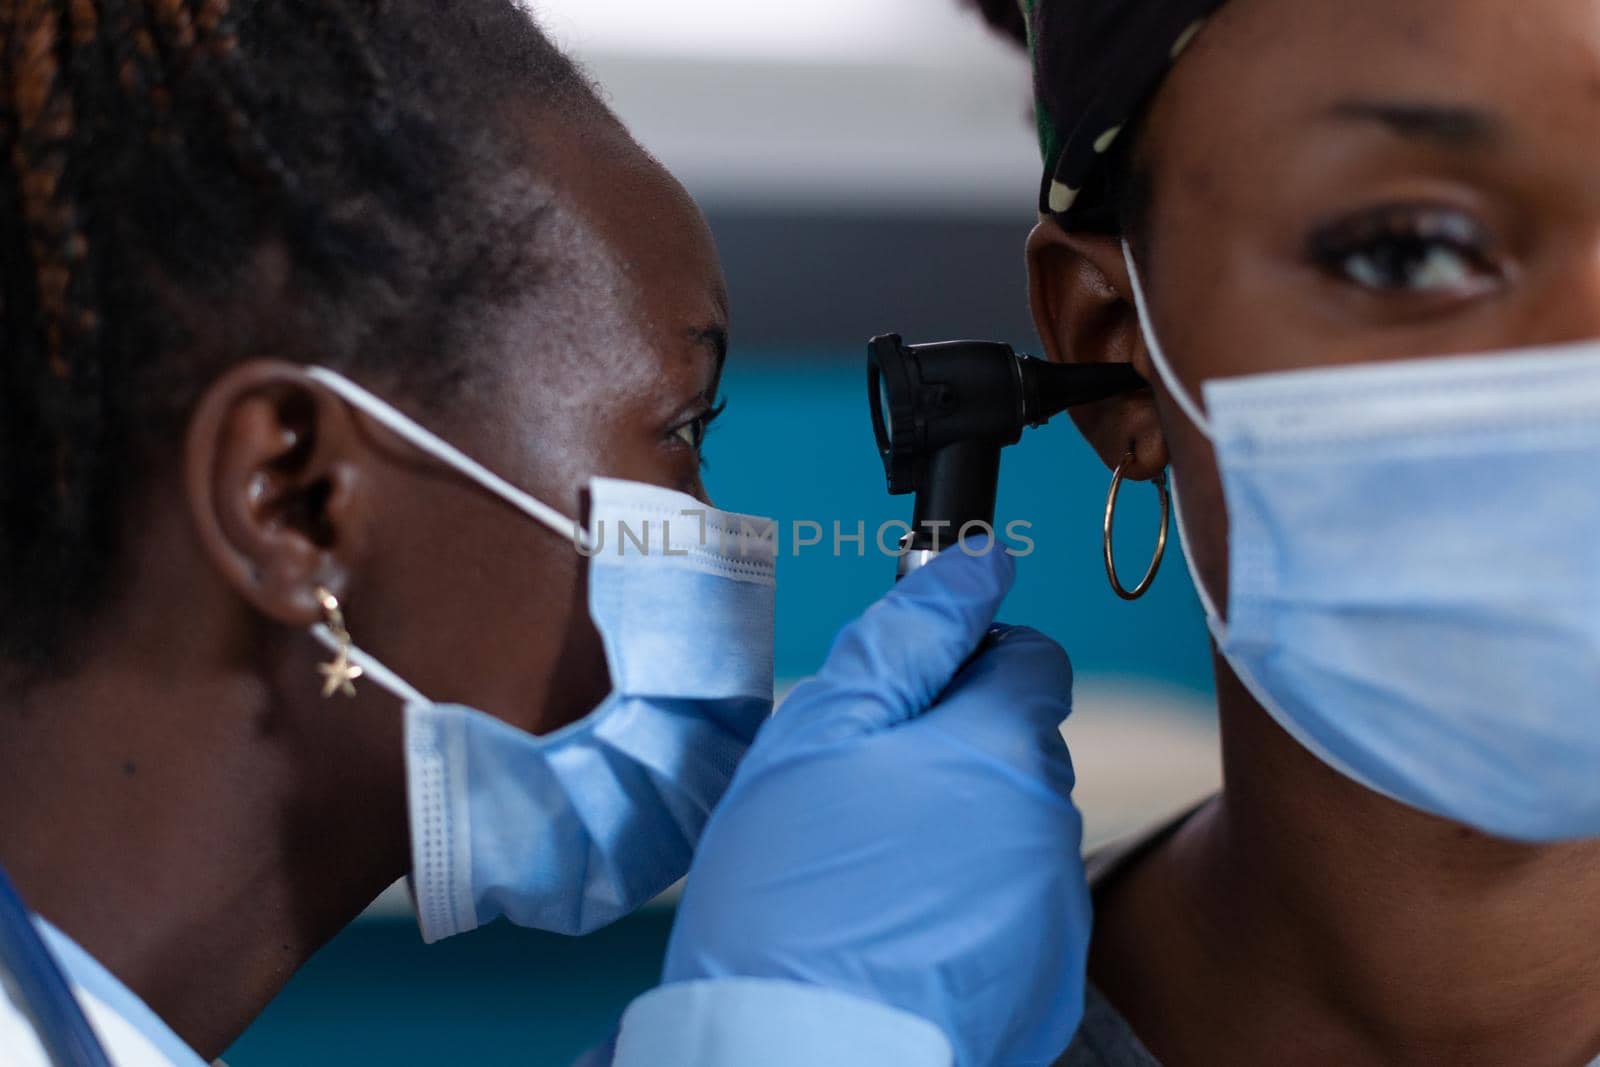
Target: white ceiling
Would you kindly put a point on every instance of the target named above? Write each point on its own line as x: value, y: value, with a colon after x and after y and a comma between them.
x: 816, y: 30
x: 877, y: 105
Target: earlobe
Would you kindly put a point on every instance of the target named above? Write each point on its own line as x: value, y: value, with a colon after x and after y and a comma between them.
x: 1083, y: 309
x: 272, y: 483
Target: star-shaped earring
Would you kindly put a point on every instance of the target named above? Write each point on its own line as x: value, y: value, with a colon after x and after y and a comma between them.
x: 339, y: 675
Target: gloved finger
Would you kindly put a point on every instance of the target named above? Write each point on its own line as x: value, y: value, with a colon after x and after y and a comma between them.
x: 1008, y: 704
x: 1016, y: 669
x: 892, y: 662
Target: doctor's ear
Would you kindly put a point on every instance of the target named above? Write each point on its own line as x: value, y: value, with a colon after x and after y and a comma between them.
x: 272, y: 471
x: 1083, y: 309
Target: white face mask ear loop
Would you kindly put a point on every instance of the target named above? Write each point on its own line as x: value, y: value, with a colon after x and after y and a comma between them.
x: 440, y: 449
x: 370, y: 668
x: 1192, y: 410
x: 1157, y: 356
x: 1213, y: 618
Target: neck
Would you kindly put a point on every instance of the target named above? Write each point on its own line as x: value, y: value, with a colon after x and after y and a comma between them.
x: 1345, y: 921
x: 159, y: 824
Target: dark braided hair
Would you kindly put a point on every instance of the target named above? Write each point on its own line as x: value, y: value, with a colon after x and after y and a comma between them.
x: 332, y: 175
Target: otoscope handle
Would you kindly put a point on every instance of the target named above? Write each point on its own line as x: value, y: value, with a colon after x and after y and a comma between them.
x: 960, y: 489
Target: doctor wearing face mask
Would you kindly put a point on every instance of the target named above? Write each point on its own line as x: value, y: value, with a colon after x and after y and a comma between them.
x: 353, y: 529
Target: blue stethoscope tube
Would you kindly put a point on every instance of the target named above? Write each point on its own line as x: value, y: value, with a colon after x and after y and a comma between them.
x: 41, y: 989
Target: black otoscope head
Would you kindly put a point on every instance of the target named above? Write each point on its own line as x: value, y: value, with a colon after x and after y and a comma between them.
x: 942, y: 413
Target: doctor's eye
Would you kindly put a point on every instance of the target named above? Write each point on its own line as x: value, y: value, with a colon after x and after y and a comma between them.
x: 692, y: 432
x: 1409, y: 250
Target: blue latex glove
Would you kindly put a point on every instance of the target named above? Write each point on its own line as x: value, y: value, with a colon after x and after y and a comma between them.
x: 903, y: 830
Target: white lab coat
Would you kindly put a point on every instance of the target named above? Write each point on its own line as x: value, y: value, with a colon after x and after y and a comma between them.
x: 125, y: 1046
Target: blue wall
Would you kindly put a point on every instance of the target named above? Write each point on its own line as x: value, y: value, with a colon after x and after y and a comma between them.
x: 796, y: 443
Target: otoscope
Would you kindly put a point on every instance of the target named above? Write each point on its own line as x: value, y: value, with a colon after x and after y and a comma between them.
x: 942, y: 413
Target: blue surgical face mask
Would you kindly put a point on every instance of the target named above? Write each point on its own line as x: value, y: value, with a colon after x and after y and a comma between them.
x: 572, y: 830
x: 1414, y: 574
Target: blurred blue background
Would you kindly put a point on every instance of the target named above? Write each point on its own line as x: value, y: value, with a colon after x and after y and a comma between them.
x: 796, y: 443
x: 854, y: 188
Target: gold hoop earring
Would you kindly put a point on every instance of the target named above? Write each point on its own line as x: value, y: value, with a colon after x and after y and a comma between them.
x: 1161, y: 542
x: 338, y: 674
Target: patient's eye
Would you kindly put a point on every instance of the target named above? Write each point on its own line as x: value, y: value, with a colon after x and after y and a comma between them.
x: 1409, y: 250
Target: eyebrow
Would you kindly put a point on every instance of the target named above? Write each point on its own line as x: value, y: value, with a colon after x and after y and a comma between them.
x: 1446, y: 125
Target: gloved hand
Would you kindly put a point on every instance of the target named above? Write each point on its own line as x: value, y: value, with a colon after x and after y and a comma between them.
x: 903, y: 829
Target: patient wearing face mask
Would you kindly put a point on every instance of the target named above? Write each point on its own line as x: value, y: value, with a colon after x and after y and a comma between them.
x: 1353, y: 247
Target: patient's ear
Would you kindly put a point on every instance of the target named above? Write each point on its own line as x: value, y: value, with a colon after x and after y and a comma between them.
x: 1083, y: 309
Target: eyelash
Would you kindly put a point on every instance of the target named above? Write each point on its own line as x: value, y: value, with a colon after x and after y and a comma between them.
x: 702, y: 425
x: 1397, y: 251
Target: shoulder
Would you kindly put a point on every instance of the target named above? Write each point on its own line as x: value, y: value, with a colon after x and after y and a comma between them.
x: 1105, y: 865
x: 1104, y: 1038
x: 131, y: 1034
